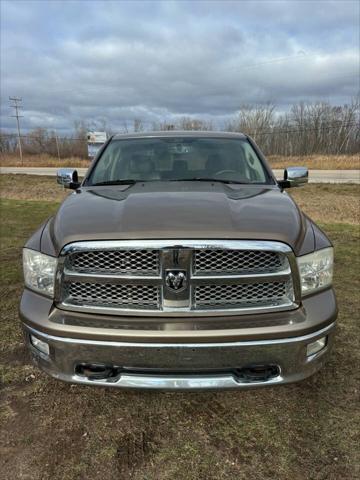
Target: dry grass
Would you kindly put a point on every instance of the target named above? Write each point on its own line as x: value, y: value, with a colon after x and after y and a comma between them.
x: 42, y: 160
x: 329, y: 203
x: 342, y: 200
x: 31, y: 187
x: 317, y: 162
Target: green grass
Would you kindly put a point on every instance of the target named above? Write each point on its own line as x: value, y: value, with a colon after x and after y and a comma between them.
x: 19, y: 219
x: 51, y: 430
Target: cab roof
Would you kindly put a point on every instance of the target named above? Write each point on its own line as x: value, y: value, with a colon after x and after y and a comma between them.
x: 179, y: 133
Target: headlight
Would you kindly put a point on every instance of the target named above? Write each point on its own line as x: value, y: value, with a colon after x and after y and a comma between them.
x: 316, y: 270
x: 39, y: 271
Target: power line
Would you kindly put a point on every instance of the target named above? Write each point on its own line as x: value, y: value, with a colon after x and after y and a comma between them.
x: 279, y: 59
x: 16, y: 106
x: 57, y: 146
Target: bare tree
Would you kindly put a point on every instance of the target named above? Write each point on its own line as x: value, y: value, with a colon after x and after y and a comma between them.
x: 308, y: 128
x: 138, y: 125
x: 190, y: 123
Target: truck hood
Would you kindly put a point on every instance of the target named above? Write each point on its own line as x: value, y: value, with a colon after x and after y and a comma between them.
x: 179, y: 210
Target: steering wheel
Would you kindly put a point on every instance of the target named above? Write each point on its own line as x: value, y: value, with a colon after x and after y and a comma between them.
x: 221, y: 172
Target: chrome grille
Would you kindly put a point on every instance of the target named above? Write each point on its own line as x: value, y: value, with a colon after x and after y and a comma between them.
x: 115, y: 261
x: 221, y: 277
x: 236, y: 261
x: 105, y: 294
x: 242, y: 294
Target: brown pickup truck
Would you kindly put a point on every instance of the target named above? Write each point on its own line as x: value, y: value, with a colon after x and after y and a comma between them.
x: 179, y: 262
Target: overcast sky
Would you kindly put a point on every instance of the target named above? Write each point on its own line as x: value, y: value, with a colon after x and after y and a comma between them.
x: 117, y: 60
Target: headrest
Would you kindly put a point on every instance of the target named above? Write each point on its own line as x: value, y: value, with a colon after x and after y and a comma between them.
x: 141, y: 164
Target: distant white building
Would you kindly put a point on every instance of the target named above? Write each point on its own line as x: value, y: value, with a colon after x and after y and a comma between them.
x: 95, y: 141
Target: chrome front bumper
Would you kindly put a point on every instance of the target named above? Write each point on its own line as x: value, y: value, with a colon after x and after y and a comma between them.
x: 180, y: 366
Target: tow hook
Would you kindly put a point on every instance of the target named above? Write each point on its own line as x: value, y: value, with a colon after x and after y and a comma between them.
x: 96, y: 371
x: 257, y: 373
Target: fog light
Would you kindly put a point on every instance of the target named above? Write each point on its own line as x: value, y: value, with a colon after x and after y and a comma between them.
x: 316, y: 346
x: 40, y: 345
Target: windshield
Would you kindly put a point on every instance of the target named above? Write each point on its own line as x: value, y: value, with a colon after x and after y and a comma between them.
x: 172, y: 159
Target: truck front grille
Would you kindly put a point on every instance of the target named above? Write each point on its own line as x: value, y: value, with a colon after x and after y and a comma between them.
x: 177, y: 278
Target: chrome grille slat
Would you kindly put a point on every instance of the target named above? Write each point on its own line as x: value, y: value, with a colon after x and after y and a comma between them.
x: 224, y: 277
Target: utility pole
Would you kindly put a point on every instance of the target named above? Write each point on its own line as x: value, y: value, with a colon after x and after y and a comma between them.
x: 57, y: 145
x: 16, y: 106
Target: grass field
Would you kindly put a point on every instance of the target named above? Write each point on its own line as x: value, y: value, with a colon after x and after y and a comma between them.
x: 51, y: 430
x: 43, y: 160
x: 321, y: 162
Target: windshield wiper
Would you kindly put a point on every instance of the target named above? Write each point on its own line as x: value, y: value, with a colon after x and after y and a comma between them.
x: 127, y: 181
x: 131, y: 181
x: 205, y: 179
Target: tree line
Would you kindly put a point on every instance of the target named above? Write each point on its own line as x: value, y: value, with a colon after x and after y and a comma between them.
x: 306, y: 129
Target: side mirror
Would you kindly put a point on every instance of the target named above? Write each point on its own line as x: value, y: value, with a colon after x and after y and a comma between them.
x: 68, y: 178
x: 294, y: 177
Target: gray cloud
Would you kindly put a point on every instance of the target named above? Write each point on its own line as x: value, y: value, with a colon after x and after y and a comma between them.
x: 156, y: 60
